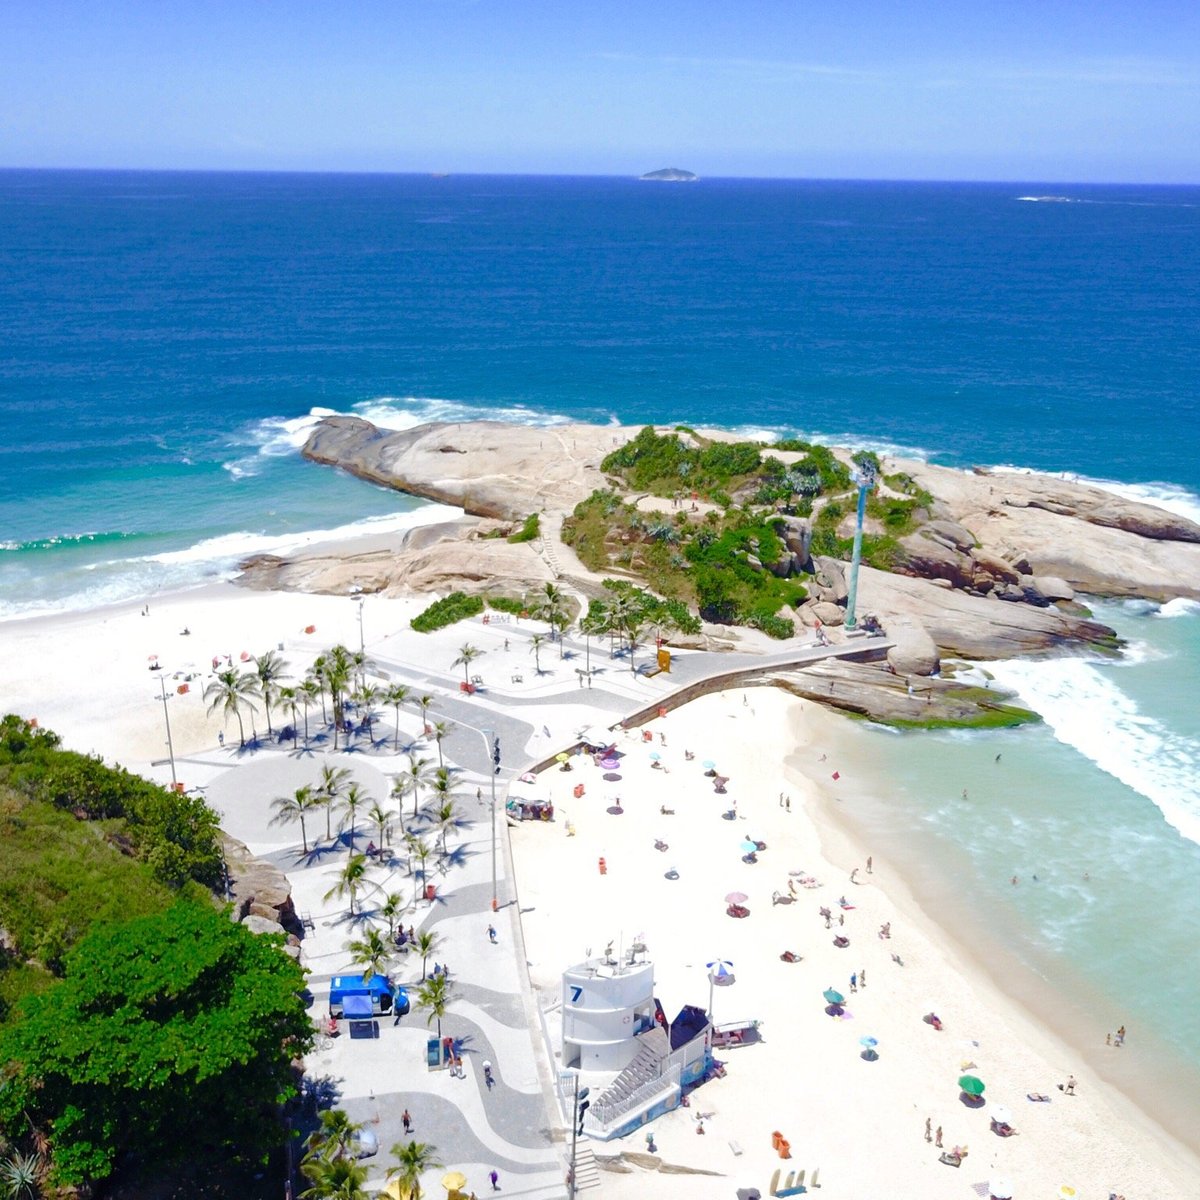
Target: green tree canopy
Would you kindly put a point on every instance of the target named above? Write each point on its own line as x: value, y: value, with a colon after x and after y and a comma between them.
x: 171, y: 1037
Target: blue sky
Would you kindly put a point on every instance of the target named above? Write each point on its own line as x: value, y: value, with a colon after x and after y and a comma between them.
x: 1072, y: 90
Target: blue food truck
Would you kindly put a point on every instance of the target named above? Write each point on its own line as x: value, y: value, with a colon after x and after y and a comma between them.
x: 357, y: 1000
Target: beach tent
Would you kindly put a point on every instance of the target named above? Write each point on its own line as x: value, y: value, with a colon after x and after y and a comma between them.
x: 690, y: 1022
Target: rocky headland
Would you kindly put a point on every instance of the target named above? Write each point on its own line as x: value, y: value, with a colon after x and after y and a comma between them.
x: 992, y: 569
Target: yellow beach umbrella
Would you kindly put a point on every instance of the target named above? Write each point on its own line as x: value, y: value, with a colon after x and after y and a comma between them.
x: 454, y: 1181
x: 394, y: 1191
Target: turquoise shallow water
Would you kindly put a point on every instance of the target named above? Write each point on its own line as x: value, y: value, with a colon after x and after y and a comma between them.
x: 1096, y: 812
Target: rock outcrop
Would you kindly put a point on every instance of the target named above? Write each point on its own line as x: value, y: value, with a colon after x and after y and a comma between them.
x: 260, y: 892
x: 994, y: 572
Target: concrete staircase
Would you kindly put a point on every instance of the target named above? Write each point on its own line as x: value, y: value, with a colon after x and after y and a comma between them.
x: 587, y: 1174
x: 646, y: 1068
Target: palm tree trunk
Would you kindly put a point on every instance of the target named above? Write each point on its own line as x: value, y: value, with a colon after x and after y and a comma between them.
x: 237, y: 712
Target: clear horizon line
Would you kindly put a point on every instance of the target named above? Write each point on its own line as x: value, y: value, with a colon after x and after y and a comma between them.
x: 432, y: 173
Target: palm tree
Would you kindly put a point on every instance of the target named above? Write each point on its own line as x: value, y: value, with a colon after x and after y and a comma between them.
x: 592, y: 624
x: 400, y: 788
x: 434, y: 998
x: 620, y: 612
x: 440, y: 729
x: 392, y: 909
x: 421, y: 852
x: 290, y: 698
x: 535, y: 644
x: 413, y: 1159
x: 336, y: 674
x: 424, y: 703
x: 353, y: 799
x: 379, y: 816
x: 467, y: 654
x: 309, y: 692
x: 418, y: 777
x: 294, y: 807
x: 335, y: 1136
x: 271, y: 671
x: 366, y: 696
x: 372, y: 952
x: 447, y: 819
x: 396, y: 695
x: 230, y: 691
x: 633, y: 631
x: 336, y: 1179
x: 425, y: 944
x: 551, y: 605
x: 333, y: 779
x: 316, y: 676
x: 351, y: 880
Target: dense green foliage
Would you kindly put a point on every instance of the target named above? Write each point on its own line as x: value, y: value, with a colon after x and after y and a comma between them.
x: 171, y: 1037
x: 531, y: 527
x: 174, y: 833
x: 59, y: 877
x: 508, y: 604
x: 664, y: 465
x: 457, y: 606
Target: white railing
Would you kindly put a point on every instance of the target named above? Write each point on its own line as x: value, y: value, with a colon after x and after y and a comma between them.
x: 604, y: 1113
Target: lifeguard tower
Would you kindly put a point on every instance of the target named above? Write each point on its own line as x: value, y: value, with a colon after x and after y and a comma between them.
x: 616, y: 1040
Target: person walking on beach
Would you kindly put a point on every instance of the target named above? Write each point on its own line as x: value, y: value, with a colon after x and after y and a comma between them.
x: 853, y: 982
x: 928, y: 1129
x: 868, y: 864
x: 862, y: 977
x: 406, y: 1120
x: 854, y: 875
x: 937, y: 1138
x: 1121, y: 1036
x: 494, y: 1176
x: 492, y: 934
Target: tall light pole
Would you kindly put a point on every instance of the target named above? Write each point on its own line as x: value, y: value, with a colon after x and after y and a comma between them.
x: 494, y: 748
x: 162, y: 683
x: 581, y: 1098
x: 865, y: 478
x: 356, y: 594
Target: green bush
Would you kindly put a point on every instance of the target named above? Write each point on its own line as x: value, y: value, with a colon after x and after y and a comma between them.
x: 455, y: 607
x: 507, y: 604
x: 529, y: 531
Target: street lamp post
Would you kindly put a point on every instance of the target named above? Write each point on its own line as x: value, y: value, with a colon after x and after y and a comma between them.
x: 865, y: 478
x: 578, y: 1108
x: 494, y: 747
x: 162, y: 683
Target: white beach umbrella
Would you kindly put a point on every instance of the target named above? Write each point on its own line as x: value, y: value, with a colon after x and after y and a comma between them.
x: 1000, y: 1189
x: 1000, y: 1114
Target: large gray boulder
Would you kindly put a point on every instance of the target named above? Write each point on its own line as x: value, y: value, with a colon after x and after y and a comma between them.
x: 914, y: 651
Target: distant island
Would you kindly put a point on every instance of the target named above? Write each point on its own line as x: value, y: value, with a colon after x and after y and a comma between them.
x: 671, y: 175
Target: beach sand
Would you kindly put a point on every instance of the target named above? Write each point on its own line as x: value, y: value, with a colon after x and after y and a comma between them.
x: 861, y: 1122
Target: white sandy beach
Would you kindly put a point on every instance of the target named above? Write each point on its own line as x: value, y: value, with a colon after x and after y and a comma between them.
x: 87, y: 676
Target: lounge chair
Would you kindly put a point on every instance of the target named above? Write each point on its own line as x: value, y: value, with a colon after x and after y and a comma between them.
x: 951, y: 1160
x: 1038, y: 1097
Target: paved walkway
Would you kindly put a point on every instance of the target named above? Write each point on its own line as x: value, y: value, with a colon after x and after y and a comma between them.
x: 515, y: 1128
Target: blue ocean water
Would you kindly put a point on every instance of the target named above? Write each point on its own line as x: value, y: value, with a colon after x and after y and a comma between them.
x: 167, y: 339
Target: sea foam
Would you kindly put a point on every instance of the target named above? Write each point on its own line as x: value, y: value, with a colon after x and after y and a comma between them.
x: 1090, y: 713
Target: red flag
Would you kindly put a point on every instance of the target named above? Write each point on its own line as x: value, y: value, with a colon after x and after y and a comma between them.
x: 837, y: 775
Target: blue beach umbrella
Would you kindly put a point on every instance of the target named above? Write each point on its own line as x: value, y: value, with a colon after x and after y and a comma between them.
x: 709, y: 765
x: 834, y: 997
x: 749, y: 847
x: 868, y: 1043
x: 655, y: 756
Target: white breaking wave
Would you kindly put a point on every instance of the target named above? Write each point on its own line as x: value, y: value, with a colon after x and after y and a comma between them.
x: 117, y: 580
x: 1179, y: 607
x: 1089, y: 713
x: 1169, y: 496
